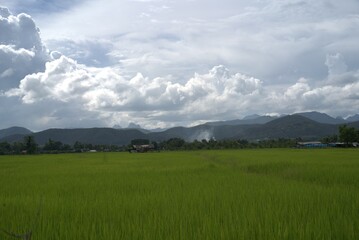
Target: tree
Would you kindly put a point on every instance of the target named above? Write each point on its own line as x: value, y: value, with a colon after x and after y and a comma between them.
x: 174, y: 144
x: 5, y: 148
x: 155, y: 145
x: 140, y: 142
x: 30, y: 144
x: 347, y: 134
x: 18, y: 147
x: 330, y: 139
x: 66, y: 147
x: 53, y: 145
x: 78, y: 146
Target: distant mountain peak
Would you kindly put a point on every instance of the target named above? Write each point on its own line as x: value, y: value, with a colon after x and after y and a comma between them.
x: 134, y: 125
x: 251, y: 117
x: 321, y: 117
x: 353, y: 118
x: 248, y: 120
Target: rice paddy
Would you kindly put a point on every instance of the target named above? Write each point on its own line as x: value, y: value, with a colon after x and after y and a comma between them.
x: 229, y: 194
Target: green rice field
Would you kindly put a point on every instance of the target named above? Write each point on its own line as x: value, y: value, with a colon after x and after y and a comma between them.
x: 229, y: 194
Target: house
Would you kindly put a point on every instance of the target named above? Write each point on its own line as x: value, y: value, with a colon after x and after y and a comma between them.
x: 142, y: 148
x: 342, y: 145
x: 337, y: 144
x: 311, y: 145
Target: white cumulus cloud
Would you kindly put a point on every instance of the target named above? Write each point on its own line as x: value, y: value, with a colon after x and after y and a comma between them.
x: 104, y: 89
x: 21, y: 49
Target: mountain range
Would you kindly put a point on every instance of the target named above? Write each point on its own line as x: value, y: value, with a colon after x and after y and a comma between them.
x: 308, y: 126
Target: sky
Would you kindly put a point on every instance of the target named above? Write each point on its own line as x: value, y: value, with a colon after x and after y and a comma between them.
x: 165, y: 63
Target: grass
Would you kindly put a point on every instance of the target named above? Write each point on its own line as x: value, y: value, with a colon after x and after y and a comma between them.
x: 244, y: 194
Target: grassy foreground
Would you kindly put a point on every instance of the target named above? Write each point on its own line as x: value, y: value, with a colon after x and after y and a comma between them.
x: 244, y: 194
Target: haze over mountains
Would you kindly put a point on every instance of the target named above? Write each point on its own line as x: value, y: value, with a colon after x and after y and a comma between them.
x: 308, y: 126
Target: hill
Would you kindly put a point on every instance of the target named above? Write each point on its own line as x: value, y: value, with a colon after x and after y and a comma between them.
x: 106, y: 136
x: 14, y: 131
x: 353, y: 118
x: 291, y: 126
x: 90, y: 135
x: 321, y: 118
x: 249, y: 120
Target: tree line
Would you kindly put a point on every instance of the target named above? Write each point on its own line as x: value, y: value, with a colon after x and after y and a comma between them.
x: 29, y: 146
x: 347, y: 135
x: 180, y: 144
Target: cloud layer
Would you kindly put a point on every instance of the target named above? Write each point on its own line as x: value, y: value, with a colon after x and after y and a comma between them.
x: 158, y: 102
x: 277, y: 41
x: 175, y: 77
x: 105, y: 91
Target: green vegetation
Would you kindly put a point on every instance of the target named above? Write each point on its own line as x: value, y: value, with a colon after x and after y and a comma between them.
x: 237, y: 194
x: 175, y: 144
x: 348, y: 134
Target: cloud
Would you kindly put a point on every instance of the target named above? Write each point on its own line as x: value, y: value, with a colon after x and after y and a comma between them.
x: 278, y: 41
x: 78, y: 91
x: 155, y: 67
x: 105, y: 92
x: 336, y: 64
x: 4, y: 12
x: 21, y: 49
x: 95, y: 53
x: 336, y: 94
x: 38, y: 7
x: 19, y: 31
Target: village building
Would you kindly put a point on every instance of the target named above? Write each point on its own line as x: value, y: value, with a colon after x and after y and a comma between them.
x: 142, y: 148
x: 311, y: 145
